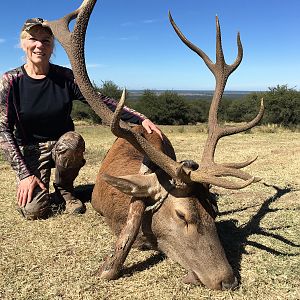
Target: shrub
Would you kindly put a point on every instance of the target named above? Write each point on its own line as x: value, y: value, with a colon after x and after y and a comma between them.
x: 82, y: 111
x: 282, y: 106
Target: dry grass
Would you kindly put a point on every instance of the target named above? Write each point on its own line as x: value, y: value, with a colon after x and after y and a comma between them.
x: 259, y: 225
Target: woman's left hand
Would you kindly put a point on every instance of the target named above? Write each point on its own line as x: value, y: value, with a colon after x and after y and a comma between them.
x: 149, y: 126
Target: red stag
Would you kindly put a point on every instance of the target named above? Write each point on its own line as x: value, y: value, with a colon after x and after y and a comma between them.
x: 148, y: 198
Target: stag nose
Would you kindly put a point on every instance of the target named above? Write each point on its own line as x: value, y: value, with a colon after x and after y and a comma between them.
x: 229, y: 285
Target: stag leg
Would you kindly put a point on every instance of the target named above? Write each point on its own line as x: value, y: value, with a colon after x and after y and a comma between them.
x: 113, y: 263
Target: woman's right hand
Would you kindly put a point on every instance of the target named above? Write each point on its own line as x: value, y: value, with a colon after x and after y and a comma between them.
x: 26, y: 188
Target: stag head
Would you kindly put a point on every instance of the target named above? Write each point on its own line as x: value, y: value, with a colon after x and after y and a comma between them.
x: 180, y: 217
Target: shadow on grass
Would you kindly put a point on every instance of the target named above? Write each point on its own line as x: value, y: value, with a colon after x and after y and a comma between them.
x: 235, y: 239
x: 84, y: 192
x: 143, y: 265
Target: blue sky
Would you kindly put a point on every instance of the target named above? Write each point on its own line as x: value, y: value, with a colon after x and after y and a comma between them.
x: 133, y: 44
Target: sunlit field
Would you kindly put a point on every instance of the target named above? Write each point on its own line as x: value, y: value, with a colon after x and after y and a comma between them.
x: 57, y: 258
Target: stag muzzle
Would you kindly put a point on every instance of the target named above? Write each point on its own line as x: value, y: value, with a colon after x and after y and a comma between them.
x: 228, y: 286
x: 225, y: 282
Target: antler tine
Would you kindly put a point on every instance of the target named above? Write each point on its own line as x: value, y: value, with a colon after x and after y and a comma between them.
x: 236, y: 129
x: 241, y: 164
x: 220, y: 55
x: 60, y: 27
x: 219, y: 50
x: 204, y: 177
x: 239, y: 55
x: 221, y: 70
x: 215, y: 175
x: 193, y: 47
x: 63, y: 23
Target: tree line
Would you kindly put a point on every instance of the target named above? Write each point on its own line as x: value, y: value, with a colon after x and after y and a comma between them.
x: 282, y: 106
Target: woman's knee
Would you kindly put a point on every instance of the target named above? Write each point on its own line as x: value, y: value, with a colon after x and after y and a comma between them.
x: 69, y: 149
x: 38, y: 207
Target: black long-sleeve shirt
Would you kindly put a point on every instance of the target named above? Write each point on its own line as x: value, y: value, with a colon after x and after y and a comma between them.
x: 39, y: 110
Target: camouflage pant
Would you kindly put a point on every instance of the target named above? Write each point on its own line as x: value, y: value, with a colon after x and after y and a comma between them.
x: 65, y: 155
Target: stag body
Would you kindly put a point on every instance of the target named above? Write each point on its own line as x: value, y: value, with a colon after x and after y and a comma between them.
x: 183, y: 227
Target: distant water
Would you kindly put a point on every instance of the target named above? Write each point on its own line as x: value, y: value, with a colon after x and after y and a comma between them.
x: 192, y: 93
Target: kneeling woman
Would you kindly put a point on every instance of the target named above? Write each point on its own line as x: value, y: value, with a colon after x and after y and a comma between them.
x: 36, y: 128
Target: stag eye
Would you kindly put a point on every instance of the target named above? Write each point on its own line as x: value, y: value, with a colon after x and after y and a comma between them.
x: 181, y: 216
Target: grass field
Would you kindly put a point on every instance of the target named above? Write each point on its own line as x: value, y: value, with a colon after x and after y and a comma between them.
x: 259, y: 226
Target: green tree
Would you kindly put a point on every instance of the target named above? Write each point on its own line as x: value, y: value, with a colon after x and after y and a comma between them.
x: 82, y: 111
x: 175, y: 111
x: 198, y: 110
x: 282, y: 105
x: 168, y: 108
x: 110, y: 89
x: 223, y: 109
x: 245, y: 109
x: 148, y: 105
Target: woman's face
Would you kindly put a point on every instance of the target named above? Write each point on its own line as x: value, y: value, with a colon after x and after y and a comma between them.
x: 38, y: 45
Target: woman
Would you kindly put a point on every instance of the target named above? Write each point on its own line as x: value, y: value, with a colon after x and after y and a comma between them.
x: 36, y: 129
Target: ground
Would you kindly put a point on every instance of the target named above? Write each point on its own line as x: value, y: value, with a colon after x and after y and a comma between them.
x: 259, y: 227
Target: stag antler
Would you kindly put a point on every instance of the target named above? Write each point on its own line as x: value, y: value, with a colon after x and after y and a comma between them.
x: 210, y: 172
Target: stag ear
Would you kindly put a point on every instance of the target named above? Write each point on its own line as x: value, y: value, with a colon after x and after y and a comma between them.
x: 136, y: 185
x: 190, y: 164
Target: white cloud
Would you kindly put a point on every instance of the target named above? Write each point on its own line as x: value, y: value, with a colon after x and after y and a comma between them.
x: 2, y: 41
x: 88, y: 66
x: 128, y: 38
x: 149, y: 21
x: 125, y: 24
x: 94, y: 65
x: 22, y: 59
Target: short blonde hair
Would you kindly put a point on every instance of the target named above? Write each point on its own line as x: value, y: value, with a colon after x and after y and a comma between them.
x: 24, y: 34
